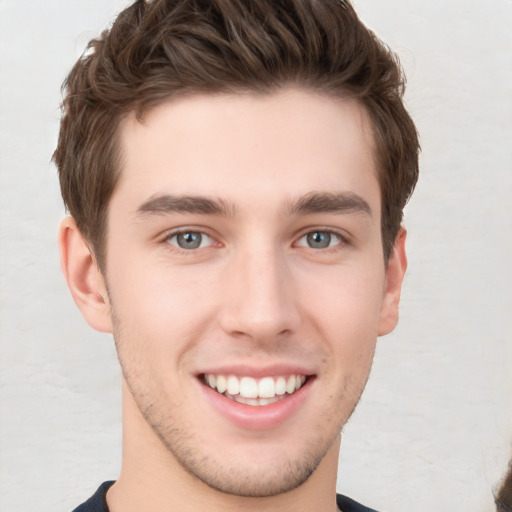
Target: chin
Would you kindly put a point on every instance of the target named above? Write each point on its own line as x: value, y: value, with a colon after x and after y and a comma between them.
x: 246, y: 480
x: 257, y: 469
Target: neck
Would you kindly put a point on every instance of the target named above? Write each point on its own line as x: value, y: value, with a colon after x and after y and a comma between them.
x: 151, y: 479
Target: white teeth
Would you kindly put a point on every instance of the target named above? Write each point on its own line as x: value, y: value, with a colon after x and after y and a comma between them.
x: 290, y: 384
x: 221, y: 384
x: 233, y: 386
x: 248, y: 387
x: 256, y: 401
x: 251, y: 391
x: 266, y: 388
x: 281, y: 386
x: 247, y: 401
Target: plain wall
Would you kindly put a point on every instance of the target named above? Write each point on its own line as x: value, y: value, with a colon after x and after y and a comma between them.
x: 434, y: 428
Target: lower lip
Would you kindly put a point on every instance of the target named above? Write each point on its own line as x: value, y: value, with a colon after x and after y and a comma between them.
x: 258, y: 417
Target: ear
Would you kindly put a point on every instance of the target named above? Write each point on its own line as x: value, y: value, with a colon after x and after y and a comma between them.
x: 395, y: 272
x: 84, y: 277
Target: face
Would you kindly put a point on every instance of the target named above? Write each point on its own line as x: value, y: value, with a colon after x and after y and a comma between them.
x: 246, y: 282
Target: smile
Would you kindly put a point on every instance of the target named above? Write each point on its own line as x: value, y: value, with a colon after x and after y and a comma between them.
x: 255, y: 392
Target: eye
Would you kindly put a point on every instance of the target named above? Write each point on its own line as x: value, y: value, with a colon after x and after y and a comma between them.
x: 190, y: 240
x: 319, y: 240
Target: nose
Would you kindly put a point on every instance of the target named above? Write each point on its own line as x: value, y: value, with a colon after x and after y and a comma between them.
x: 259, y: 303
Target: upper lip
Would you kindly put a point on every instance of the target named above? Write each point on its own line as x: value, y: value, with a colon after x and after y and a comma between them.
x: 243, y: 370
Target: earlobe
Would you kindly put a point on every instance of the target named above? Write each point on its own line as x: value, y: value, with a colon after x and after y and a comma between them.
x: 83, y: 276
x: 395, y: 272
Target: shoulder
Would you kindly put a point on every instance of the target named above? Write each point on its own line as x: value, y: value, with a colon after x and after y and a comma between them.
x: 349, y: 505
x: 97, y: 502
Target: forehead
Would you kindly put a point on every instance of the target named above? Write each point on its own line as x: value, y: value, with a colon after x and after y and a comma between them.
x: 235, y: 146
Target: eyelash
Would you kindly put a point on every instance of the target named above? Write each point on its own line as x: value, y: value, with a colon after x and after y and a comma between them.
x: 341, y: 240
x: 177, y: 233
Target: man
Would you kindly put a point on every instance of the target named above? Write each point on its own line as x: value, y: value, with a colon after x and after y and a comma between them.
x: 235, y: 173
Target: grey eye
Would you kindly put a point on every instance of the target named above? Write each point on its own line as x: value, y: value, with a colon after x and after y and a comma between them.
x: 318, y: 239
x: 190, y: 240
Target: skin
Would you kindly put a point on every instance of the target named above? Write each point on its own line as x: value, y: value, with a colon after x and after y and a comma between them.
x: 255, y: 295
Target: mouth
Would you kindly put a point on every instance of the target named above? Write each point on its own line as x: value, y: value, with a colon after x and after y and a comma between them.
x: 255, y: 392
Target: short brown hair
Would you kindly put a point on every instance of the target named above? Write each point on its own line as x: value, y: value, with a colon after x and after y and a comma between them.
x: 161, y: 48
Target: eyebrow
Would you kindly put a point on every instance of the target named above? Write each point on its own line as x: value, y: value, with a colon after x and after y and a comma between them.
x: 330, y: 202
x: 168, y: 203
x: 311, y: 203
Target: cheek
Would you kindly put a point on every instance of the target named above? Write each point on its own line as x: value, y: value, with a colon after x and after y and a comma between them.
x: 345, y: 312
x: 160, y: 312
x: 347, y: 303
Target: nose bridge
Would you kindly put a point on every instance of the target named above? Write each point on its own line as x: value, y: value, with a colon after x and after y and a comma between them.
x: 260, y: 302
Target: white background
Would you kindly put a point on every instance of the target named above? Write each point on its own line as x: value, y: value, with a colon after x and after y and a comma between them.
x: 434, y: 428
